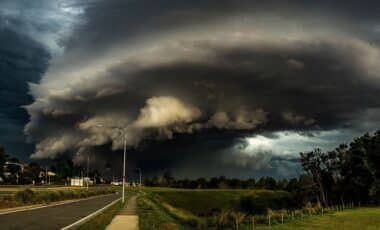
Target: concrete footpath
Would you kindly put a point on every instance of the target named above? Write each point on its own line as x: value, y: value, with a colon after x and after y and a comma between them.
x: 127, y: 218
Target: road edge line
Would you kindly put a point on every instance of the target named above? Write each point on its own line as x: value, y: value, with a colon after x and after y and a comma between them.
x: 52, y: 205
x: 86, y: 218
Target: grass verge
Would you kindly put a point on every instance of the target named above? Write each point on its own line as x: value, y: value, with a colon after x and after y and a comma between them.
x: 101, y: 221
x: 153, y: 217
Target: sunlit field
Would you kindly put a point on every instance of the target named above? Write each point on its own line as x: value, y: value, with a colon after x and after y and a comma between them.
x: 166, y: 208
x: 192, y: 208
x: 203, y: 202
x: 360, y: 218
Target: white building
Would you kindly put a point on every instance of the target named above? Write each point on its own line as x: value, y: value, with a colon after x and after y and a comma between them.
x: 77, y: 182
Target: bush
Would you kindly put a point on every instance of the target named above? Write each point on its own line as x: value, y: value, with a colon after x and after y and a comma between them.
x: 25, y: 196
x: 28, y: 196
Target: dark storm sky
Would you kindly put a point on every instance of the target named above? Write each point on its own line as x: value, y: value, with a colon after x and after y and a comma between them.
x: 202, y: 88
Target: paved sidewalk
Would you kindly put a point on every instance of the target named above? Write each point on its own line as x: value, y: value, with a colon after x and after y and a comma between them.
x: 127, y: 218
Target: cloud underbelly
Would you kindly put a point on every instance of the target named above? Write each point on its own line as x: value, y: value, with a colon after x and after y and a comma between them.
x: 234, y: 82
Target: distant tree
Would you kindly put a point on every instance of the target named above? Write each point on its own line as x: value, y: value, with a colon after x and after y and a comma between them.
x: 213, y: 182
x: 302, y: 190
x: 223, y: 182
x: 267, y: 183
x: 238, y: 218
x: 250, y: 183
x: 312, y: 164
x: 15, y: 171
x: 33, y: 171
x: 167, y: 179
x: 3, y: 158
x: 358, y: 176
x: 201, y: 183
x: 348, y: 173
x: 64, y: 168
x: 282, y: 184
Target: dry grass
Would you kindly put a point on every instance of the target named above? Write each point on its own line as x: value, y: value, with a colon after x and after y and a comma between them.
x: 351, y: 219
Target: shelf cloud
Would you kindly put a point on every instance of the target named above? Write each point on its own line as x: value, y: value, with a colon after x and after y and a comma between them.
x: 152, y: 74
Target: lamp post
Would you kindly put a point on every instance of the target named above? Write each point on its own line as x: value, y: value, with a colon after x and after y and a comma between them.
x: 140, y: 173
x: 123, y: 189
x: 124, y: 160
x: 88, y: 166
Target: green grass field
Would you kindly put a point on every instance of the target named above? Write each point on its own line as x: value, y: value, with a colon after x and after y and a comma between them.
x: 163, y: 208
x: 152, y: 216
x: 203, y: 202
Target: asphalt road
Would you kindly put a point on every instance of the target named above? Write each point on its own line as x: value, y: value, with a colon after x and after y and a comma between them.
x: 54, y: 217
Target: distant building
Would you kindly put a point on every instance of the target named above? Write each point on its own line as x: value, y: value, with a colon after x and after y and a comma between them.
x: 46, y: 177
x: 84, y: 181
x: 117, y: 183
x: 77, y: 182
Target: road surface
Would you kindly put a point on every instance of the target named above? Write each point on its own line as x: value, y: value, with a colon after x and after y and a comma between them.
x: 54, y: 217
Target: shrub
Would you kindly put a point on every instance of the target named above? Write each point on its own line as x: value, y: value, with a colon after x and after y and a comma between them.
x: 270, y: 214
x: 24, y: 196
x: 253, y: 223
x: 222, y: 219
x: 237, y: 218
x: 28, y: 196
x: 282, y: 213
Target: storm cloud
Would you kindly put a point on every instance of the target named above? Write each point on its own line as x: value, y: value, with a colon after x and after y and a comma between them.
x: 153, y: 71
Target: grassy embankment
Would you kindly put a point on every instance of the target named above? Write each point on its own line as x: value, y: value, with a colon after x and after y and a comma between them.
x: 152, y: 216
x: 32, y: 196
x: 163, y: 208
x: 195, y: 208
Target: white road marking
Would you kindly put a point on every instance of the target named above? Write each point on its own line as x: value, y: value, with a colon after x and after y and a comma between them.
x: 84, y: 219
x: 52, y: 205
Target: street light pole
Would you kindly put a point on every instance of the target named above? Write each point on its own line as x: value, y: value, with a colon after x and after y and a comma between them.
x: 125, y: 149
x: 88, y: 166
x: 140, y: 173
x: 46, y: 175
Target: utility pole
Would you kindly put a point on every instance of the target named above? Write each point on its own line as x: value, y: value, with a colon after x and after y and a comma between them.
x: 94, y: 172
x: 140, y: 175
x: 88, y: 166
x: 125, y: 149
x: 46, y: 175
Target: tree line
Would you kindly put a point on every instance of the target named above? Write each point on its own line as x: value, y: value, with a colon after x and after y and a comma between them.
x: 349, y: 173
